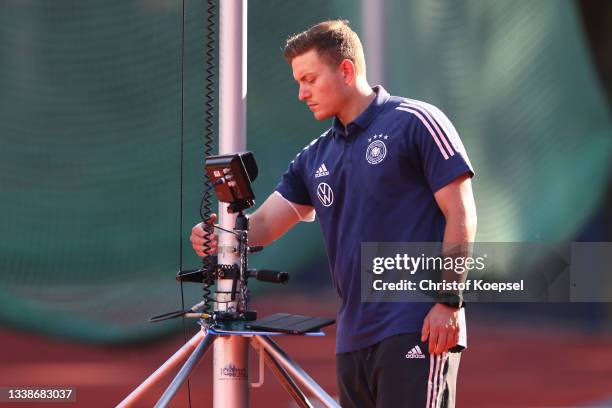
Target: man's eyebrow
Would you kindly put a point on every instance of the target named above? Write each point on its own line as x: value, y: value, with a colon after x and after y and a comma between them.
x: 298, y: 79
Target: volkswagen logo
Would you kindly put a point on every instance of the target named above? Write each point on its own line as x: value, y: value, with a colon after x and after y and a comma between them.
x: 325, y: 194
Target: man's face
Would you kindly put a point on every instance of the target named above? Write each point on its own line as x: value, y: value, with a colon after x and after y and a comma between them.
x: 321, y: 86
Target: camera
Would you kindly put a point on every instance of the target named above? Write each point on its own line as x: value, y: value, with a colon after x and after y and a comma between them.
x: 231, y: 176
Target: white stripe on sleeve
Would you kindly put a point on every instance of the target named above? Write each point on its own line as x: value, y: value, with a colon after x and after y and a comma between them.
x: 431, y: 132
x: 435, y: 120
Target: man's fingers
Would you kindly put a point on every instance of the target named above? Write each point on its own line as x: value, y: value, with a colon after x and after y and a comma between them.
x: 200, y: 246
x: 433, y: 340
x: 197, y: 230
x: 199, y: 250
x: 440, y: 346
x: 425, y: 329
x: 203, y: 239
x: 447, y: 339
x: 200, y: 241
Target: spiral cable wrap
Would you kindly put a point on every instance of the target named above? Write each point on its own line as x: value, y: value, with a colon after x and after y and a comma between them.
x: 206, y: 203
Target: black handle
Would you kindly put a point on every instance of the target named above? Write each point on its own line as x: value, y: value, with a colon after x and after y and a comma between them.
x: 268, y: 275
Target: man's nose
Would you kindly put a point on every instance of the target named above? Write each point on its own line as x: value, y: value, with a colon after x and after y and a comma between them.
x: 303, y: 94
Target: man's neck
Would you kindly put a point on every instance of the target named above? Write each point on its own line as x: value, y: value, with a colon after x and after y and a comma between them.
x: 357, y: 102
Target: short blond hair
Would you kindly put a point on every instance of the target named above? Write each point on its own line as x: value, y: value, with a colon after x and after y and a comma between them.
x: 333, y: 40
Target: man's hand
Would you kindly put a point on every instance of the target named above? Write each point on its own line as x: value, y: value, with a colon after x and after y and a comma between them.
x: 198, y: 236
x: 441, y: 326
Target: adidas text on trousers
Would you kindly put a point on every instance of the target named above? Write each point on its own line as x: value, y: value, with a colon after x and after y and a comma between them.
x: 397, y: 372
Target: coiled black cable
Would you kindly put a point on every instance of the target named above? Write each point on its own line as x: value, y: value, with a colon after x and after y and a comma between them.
x: 206, y: 203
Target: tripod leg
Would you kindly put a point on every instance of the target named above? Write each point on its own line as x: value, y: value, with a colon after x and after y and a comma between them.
x: 183, y: 374
x: 177, y: 358
x: 286, y: 381
x: 281, y: 358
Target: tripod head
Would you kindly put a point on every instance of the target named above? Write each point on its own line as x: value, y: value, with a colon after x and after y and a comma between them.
x: 231, y: 176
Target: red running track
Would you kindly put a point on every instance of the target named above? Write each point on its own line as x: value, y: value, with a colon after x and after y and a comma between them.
x: 504, y: 367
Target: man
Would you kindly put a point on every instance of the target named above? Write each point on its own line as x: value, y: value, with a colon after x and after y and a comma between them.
x: 388, y: 170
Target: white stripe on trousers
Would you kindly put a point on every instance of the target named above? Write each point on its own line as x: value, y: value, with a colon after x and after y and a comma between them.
x: 435, y: 379
x: 429, y: 383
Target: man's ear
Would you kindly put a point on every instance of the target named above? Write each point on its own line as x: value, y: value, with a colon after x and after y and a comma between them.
x: 348, y: 71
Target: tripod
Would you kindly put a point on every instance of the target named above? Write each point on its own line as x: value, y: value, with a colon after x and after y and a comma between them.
x: 270, y: 354
x: 231, y: 328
